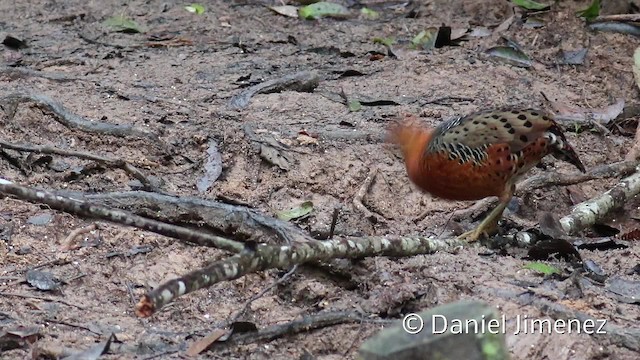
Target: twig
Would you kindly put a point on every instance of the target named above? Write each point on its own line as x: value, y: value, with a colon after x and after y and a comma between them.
x: 357, y: 200
x: 69, y: 241
x: 597, y: 209
x: 257, y: 296
x: 271, y: 256
x: 118, y: 163
x: 304, y: 81
x: 24, y: 296
x: 310, y: 322
x: 82, y: 208
x: 62, y: 322
x: 16, y: 72
x: 71, y: 120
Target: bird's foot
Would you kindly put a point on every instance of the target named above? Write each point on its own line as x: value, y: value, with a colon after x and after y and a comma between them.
x: 471, y: 236
x: 477, y: 234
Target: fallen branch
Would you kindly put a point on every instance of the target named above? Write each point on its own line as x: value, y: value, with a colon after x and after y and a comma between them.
x: 306, y: 323
x: 304, y: 81
x: 235, y: 221
x: 117, y: 163
x: 270, y: 256
x: 621, y: 168
x: 71, y: 120
x: 82, y: 208
x: 16, y: 72
x: 597, y: 209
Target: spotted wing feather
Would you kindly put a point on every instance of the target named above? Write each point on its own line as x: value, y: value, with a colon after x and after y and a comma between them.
x: 516, y: 128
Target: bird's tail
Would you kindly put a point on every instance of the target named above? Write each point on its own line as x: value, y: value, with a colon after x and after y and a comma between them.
x: 411, y: 135
x: 562, y: 149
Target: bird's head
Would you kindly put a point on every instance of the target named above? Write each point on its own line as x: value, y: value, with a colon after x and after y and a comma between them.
x: 412, y: 136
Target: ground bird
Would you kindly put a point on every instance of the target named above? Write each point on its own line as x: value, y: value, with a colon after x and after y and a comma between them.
x: 480, y: 155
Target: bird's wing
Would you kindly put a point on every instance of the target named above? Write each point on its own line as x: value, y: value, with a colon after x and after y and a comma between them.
x: 515, y: 127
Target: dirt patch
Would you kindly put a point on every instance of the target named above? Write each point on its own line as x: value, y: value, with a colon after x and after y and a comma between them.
x: 180, y: 92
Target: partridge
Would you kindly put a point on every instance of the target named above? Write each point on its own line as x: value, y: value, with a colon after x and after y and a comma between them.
x: 480, y: 155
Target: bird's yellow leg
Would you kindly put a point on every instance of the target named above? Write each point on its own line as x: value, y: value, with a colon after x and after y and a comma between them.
x: 489, y: 225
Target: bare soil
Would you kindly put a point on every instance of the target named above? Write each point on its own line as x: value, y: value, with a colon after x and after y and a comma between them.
x: 181, y: 91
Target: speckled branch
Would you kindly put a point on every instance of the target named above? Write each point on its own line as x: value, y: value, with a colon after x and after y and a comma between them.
x: 271, y: 256
x: 597, y: 209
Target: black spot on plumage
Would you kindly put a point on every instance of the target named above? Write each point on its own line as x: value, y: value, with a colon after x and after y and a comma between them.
x: 524, y: 138
x: 515, y: 112
x: 512, y: 131
x: 507, y: 126
x: 545, y: 118
x: 522, y: 117
x: 534, y: 113
x: 465, y: 129
x: 528, y: 124
x: 484, y: 123
x: 495, y: 116
x: 504, y: 120
x: 476, y: 122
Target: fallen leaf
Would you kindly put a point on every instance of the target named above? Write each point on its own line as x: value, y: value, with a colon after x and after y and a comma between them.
x: 42, y: 280
x: 122, y: 24
x: 591, y: 12
x: 594, y: 271
x: 93, y: 353
x: 530, y: 4
x: 533, y: 23
x: 13, y: 42
x: 203, y: 344
x: 626, y: 291
x: 598, y: 244
x: 275, y: 157
x: 286, y: 10
x: 322, y: 9
x: 18, y: 337
x: 297, y: 212
x: 616, y: 27
x: 542, y: 268
x: 197, y: 9
x: 368, y: 13
x: 354, y: 105
x: 304, y: 139
x: 40, y: 219
x: 573, y: 57
x: 602, y: 115
x: 542, y: 250
x: 212, y: 168
x: 510, y: 55
x: 384, y: 41
x: 550, y: 226
x: 426, y: 39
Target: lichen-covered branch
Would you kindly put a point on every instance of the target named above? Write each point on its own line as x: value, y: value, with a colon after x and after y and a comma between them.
x: 82, y: 208
x: 271, y: 256
x: 594, y: 210
x: 237, y: 222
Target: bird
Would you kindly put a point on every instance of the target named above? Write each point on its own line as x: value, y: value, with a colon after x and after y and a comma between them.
x: 479, y: 155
